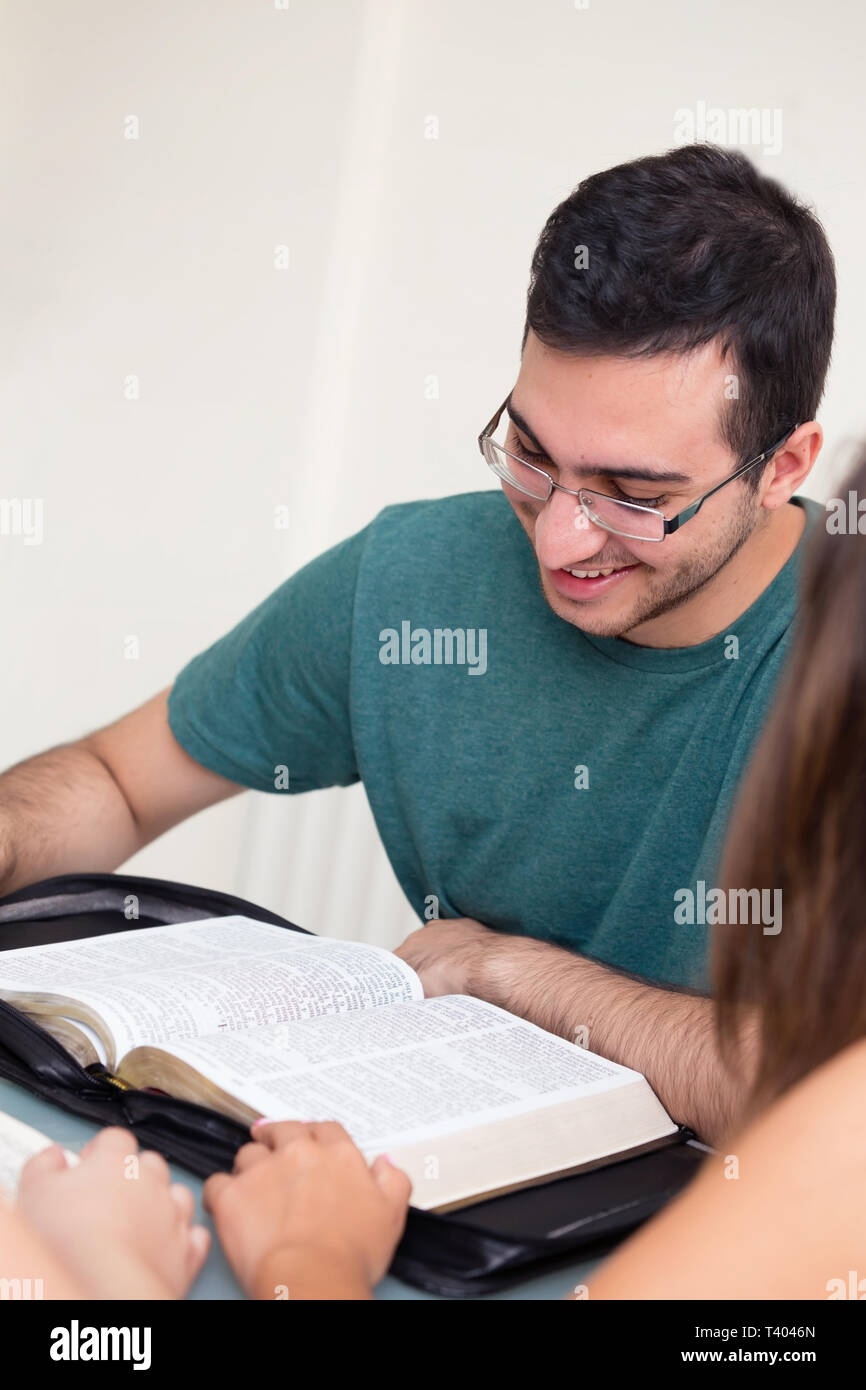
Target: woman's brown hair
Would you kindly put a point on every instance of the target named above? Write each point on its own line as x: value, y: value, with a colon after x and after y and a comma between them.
x: 799, y: 825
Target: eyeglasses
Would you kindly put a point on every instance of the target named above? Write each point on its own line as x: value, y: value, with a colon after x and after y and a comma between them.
x: 626, y: 519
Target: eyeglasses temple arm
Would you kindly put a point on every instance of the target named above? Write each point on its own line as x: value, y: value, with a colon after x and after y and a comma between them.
x: 492, y: 423
x: 677, y: 521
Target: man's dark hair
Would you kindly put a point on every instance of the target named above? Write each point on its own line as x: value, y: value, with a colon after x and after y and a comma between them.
x: 684, y: 248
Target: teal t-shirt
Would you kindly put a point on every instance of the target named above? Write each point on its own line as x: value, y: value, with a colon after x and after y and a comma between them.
x: 541, y: 780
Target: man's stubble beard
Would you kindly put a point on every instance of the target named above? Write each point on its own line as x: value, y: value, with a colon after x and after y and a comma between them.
x: 678, y: 588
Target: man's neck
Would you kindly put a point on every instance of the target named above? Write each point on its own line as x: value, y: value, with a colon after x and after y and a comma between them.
x: 742, y: 580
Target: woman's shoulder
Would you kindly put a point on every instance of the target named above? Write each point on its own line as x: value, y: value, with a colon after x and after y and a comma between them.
x: 822, y: 1115
x: 833, y: 1079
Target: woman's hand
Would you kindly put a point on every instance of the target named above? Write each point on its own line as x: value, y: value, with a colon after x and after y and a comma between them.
x: 115, y: 1220
x: 305, y: 1216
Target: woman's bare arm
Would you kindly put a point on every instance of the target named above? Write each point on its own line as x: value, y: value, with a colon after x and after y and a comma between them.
x: 780, y: 1212
x: 26, y: 1258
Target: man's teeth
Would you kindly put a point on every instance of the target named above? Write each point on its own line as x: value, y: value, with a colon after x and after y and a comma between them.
x: 590, y: 574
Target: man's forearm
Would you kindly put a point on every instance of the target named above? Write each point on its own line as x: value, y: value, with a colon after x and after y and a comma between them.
x: 62, y: 812
x: 667, y: 1035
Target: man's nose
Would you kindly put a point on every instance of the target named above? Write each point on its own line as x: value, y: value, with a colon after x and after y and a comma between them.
x: 564, y: 533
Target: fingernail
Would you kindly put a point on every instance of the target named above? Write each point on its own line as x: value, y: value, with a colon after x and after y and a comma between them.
x: 261, y: 1121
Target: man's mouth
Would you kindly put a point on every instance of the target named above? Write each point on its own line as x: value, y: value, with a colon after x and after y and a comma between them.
x: 589, y: 583
x: 593, y: 574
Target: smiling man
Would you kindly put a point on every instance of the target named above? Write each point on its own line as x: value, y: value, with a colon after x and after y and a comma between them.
x: 649, y: 432
x: 634, y: 583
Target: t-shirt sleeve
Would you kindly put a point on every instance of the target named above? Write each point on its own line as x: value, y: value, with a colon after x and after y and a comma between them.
x: 273, y: 693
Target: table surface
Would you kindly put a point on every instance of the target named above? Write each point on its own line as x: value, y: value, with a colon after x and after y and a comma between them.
x: 216, y: 1279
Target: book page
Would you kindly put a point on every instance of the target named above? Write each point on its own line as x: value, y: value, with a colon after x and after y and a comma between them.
x: 17, y: 1143
x: 452, y: 1170
x: 402, y: 1074
x: 155, y: 984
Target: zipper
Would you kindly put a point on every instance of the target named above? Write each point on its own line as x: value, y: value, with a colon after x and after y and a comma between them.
x: 103, y: 1074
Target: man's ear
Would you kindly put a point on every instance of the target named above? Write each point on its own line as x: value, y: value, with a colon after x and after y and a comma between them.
x: 789, y: 468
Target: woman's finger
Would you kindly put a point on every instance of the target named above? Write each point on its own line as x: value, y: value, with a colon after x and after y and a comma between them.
x: 248, y: 1156
x: 393, y: 1183
x: 183, y: 1200
x: 276, y: 1134
x: 199, y: 1245
x: 214, y: 1186
x: 50, y: 1160
x: 152, y: 1162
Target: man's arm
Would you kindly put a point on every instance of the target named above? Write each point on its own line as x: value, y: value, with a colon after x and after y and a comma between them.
x: 666, y: 1034
x: 91, y: 804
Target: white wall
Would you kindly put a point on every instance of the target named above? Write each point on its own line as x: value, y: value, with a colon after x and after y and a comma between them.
x: 408, y: 258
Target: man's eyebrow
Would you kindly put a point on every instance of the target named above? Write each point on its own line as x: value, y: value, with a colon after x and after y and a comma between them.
x: 521, y: 424
x: 637, y: 474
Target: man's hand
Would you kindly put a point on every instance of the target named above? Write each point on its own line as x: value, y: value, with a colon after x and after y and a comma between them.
x: 448, y: 955
x: 667, y: 1034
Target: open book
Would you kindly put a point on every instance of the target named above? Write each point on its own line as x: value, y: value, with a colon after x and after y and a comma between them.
x: 257, y: 1020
